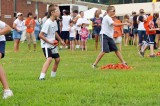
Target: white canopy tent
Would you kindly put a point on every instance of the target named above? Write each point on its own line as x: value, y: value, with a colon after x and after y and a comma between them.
x: 123, y: 9
x: 91, y: 12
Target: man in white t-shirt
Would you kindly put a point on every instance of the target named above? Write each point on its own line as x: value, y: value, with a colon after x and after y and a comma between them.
x: 48, y: 35
x: 80, y: 21
x: 4, y: 28
x: 107, y: 31
x: 66, y: 18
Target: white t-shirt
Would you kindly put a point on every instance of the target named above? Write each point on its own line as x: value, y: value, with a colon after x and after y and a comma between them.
x: 19, y: 24
x: 80, y: 21
x: 65, y: 22
x: 141, y: 24
x: 2, y: 25
x: 44, y: 19
x: 49, y: 28
x: 107, y: 27
x: 72, y: 32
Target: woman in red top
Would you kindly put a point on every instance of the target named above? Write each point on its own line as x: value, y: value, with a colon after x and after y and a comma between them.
x: 30, y: 24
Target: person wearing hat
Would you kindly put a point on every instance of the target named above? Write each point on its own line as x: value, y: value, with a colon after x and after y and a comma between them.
x: 18, y: 26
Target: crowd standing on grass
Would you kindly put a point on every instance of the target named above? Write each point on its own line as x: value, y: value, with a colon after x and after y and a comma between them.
x: 72, y: 30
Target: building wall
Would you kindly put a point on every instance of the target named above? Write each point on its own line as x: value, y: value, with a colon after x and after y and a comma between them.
x: 7, y: 8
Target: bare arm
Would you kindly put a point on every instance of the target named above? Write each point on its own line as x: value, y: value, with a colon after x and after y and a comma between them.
x: 59, y: 38
x: 5, y: 30
x: 41, y: 36
x: 15, y: 27
x: 119, y: 24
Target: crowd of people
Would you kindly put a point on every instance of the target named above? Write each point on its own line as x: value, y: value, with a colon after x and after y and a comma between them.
x: 72, y: 31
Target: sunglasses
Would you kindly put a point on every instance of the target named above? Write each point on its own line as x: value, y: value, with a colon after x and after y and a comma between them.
x: 20, y: 15
x: 113, y: 10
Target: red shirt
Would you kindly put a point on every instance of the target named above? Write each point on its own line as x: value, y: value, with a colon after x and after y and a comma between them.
x: 117, y: 29
x: 149, y: 24
x: 32, y: 24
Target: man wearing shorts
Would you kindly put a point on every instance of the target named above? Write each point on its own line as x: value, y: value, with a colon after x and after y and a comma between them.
x: 65, y: 27
x: 107, y: 31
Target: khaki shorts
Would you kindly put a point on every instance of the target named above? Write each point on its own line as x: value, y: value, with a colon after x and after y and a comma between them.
x: 30, y: 38
x: 118, y: 40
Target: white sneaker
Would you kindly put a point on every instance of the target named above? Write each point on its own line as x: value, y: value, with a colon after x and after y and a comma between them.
x: 53, y: 74
x: 93, y: 66
x: 7, y: 93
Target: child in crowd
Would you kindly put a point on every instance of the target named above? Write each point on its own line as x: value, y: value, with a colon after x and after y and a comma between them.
x: 48, y: 35
x: 84, y: 35
x: 72, y: 35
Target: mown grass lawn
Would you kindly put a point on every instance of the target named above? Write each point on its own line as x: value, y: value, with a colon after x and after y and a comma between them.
x: 77, y: 84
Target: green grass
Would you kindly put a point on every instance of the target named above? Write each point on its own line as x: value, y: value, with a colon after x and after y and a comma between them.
x: 77, y: 84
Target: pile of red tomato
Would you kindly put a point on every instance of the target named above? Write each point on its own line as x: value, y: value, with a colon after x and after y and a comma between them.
x: 116, y: 66
x: 158, y: 54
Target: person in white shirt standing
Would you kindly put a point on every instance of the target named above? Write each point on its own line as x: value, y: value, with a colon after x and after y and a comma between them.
x: 141, y: 30
x: 18, y: 26
x: 72, y: 35
x: 65, y: 27
x: 107, y: 31
x: 48, y: 35
x: 4, y: 29
x: 80, y: 21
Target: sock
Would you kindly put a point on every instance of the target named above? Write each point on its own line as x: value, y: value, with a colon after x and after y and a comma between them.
x: 61, y: 47
x: 53, y: 74
x: 42, y: 75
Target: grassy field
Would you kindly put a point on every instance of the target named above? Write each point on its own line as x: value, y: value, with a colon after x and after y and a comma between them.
x: 77, y: 84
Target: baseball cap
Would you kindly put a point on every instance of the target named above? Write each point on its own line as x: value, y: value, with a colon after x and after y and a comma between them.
x: 19, y: 14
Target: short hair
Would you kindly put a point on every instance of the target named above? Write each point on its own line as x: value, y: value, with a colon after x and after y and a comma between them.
x: 81, y: 12
x: 71, y: 21
x: 75, y: 11
x: 50, y: 9
x: 29, y: 14
x: 110, y: 8
x: 66, y: 12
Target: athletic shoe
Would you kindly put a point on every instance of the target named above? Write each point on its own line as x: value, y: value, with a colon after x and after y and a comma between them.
x: 142, y: 54
x: 41, y: 78
x: 124, y: 63
x: 7, y: 94
x: 152, y: 55
x: 94, y: 66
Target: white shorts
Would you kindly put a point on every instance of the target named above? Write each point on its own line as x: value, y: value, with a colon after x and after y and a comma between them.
x: 118, y: 40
